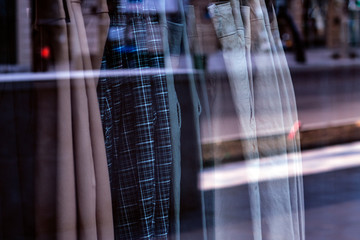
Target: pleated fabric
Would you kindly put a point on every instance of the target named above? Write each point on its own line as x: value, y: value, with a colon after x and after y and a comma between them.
x: 73, y: 198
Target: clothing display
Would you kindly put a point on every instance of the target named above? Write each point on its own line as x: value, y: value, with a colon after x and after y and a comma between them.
x: 135, y: 115
x: 230, y: 30
x: 264, y: 102
x: 72, y: 190
x: 111, y: 137
x: 191, y: 197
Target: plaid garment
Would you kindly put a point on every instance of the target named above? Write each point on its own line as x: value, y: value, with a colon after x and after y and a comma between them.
x: 135, y: 116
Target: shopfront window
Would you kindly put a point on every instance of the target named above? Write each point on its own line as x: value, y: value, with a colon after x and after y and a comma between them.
x: 181, y: 119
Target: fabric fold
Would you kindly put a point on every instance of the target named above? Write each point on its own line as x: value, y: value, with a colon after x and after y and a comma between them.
x: 82, y: 191
x: 264, y: 101
x: 136, y: 121
x: 232, y: 37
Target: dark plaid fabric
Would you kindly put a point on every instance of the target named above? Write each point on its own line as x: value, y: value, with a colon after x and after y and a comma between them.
x: 135, y: 116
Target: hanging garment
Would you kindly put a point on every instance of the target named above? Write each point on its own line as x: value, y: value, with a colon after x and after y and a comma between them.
x: 73, y: 198
x: 173, y: 30
x: 289, y: 189
x: 269, y: 111
x: 135, y: 114
x: 230, y: 30
x: 192, y: 206
x: 172, y: 33
x: 229, y: 27
x: 293, y: 143
x: 175, y: 36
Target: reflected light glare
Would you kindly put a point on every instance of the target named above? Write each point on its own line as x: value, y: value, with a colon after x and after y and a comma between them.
x: 45, y: 52
x: 295, y: 128
x: 315, y: 161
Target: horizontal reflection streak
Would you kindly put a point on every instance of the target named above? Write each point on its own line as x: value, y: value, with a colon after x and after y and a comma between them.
x: 45, y: 76
x: 313, y: 161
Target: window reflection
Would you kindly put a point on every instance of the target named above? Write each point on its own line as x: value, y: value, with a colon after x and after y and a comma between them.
x: 142, y: 119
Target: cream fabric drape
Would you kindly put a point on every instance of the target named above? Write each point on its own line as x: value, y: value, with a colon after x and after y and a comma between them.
x: 80, y: 202
x: 264, y: 102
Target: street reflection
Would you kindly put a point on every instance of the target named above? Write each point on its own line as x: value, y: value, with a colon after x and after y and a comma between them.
x: 331, y: 192
x: 314, y: 162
